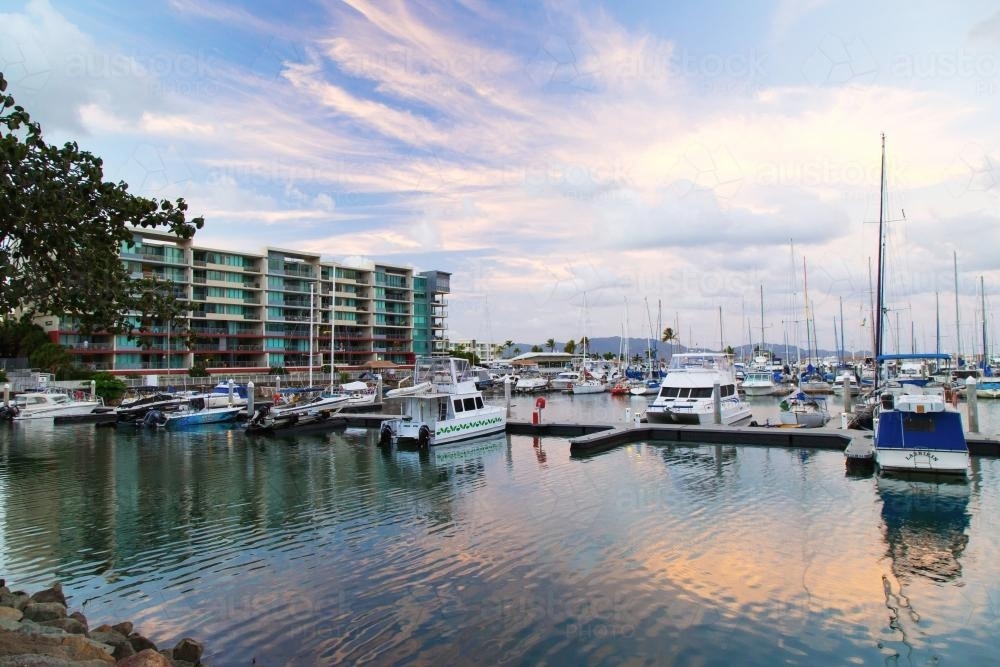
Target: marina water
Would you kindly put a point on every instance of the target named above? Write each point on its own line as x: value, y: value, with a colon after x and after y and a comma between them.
x: 327, y: 549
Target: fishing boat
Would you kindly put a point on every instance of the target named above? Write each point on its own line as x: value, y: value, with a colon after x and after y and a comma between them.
x: 915, y: 429
x: 451, y: 411
x: 687, y: 392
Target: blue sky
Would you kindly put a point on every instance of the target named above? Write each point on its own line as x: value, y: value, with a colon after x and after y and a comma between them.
x: 568, y: 162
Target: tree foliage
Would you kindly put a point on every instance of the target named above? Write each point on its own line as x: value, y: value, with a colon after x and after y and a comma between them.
x: 51, y: 357
x: 19, y: 338
x: 570, y: 346
x: 63, y: 226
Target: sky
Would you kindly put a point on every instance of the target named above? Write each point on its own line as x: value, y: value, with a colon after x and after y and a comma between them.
x: 582, y: 169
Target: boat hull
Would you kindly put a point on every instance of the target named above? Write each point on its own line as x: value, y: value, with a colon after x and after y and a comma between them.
x: 448, y: 431
x: 729, y: 417
x: 210, y: 416
x: 948, y: 462
x: 931, y: 441
x: 760, y: 390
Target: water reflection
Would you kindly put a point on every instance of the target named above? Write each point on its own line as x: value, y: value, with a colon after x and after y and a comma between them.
x: 925, y: 525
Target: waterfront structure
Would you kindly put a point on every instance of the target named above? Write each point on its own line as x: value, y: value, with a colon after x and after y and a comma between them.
x: 257, y: 312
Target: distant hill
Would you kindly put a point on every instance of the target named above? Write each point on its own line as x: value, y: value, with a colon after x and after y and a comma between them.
x: 636, y: 346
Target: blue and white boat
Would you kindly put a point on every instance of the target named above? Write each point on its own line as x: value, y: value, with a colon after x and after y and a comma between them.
x: 916, y: 430
x: 194, y: 414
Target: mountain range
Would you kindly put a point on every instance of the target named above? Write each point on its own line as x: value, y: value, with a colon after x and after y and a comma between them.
x: 613, y: 344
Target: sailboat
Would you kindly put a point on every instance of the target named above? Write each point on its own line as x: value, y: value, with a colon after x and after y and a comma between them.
x: 916, y: 430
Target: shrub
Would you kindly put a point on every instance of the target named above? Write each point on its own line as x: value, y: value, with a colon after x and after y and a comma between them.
x: 197, y: 371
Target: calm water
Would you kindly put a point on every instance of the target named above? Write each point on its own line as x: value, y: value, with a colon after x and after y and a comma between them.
x: 327, y: 549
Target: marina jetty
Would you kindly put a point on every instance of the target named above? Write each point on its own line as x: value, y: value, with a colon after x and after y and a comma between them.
x: 38, y: 631
x: 586, y: 439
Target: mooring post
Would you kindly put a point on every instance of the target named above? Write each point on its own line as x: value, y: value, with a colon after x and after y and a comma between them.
x: 716, y: 402
x: 250, y: 397
x: 848, y: 408
x: 93, y: 390
x: 6, y: 393
x: 970, y: 396
x: 506, y: 393
x: 230, y: 386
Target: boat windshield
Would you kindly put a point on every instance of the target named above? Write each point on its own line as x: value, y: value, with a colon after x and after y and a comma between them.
x: 442, y: 370
x: 707, y: 361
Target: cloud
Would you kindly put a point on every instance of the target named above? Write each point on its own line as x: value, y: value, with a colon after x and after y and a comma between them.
x: 554, y: 148
x: 987, y: 30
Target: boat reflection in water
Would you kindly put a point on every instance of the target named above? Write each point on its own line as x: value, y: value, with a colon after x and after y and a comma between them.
x: 926, y: 527
x: 926, y: 524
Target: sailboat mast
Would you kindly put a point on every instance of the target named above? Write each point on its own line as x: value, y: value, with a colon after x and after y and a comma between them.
x: 881, y: 266
x: 762, y: 318
x: 843, y: 349
x: 722, y: 342
x: 958, y: 328
x: 982, y: 292
x: 937, y: 324
x: 805, y: 298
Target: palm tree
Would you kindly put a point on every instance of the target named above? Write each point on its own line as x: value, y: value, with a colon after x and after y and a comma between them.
x: 507, y: 344
x: 669, y: 337
x: 570, y: 347
x: 536, y: 348
x: 517, y: 351
x: 585, y: 343
x: 551, y: 344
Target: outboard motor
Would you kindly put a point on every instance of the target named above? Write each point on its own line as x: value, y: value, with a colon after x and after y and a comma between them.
x: 887, y: 402
x: 153, y: 419
x: 8, y: 412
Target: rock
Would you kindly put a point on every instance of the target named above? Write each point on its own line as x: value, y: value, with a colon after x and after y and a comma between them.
x: 47, y: 661
x: 11, y: 613
x: 44, y: 611
x: 66, y: 647
x: 125, y: 628
x: 188, y: 650
x: 70, y: 625
x: 82, y: 619
x: 140, y: 643
x: 54, y: 594
x: 21, y: 600
x: 29, y: 627
x: 145, y: 658
x: 121, y: 647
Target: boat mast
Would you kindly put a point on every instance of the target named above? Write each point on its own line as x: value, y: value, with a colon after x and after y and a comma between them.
x: 312, y: 297
x: 982, y: 292
x: 762, y: 318
x: 881, y: 268
x: 958, y: 329
x: 722, y: 342
x: 805, y: 298
x: 937, y: 324
x: 843, y: 349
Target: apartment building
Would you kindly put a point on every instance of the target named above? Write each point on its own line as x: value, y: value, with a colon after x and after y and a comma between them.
x: 254, y: 312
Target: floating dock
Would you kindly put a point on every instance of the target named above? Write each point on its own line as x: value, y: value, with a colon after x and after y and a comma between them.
x: 586, y: 439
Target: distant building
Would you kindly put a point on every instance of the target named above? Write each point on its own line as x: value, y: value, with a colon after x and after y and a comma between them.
x: 486, y: 351
x: 254, y: 312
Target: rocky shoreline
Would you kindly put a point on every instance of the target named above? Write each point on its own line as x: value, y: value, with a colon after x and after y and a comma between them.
x: 39, y: 631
